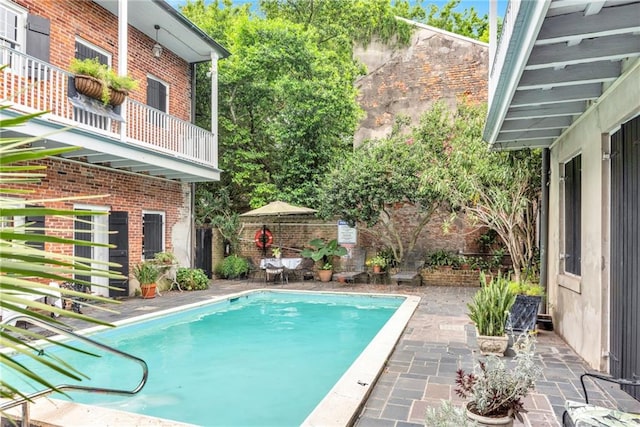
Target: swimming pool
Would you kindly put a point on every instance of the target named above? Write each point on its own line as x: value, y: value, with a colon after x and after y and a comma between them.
x: 257, y: 358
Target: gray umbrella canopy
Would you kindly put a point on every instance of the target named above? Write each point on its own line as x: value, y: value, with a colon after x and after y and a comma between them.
x: 279, y: 208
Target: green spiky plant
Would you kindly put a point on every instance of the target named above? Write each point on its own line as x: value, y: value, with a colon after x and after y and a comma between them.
x: 25, y: 268
x: 490, y: 306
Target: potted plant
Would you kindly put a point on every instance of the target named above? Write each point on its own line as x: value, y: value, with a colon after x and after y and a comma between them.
x: 489, y: 310
x: 495, y: 393
x: 98, y: 81
x: 276, y: 252
x: 146, y: 273
x: 324, y: 252
x: 378, y: 263
x: 164, y: 258
x: 524, y: 312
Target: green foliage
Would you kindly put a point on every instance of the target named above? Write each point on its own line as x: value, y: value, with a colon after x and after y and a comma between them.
x: 442, y: 257
x: 378, y: 260
x: 109, y: 78
x: 490, y: 306
x: 214, y: 205
x: 526, y: 288
x: 192, y: 279
x: 448, y: 415
x: 164, y: 257
x: 146, y: 272
x: 364, y: 187
x: 496, y: 389
x: 324, y: 252
x: 466, y: 23
x: 233, y: 267
x: 25, y: 267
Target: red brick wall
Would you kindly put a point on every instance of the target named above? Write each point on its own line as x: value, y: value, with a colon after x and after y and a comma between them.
x: 90, y: 22
x: 123, y: 192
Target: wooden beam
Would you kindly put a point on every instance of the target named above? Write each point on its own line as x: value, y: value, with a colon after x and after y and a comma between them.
x: 597, y: 72
x: 550, y: 110
x: 562, y: 94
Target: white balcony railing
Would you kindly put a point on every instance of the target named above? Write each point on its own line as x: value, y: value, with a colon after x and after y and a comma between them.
x: 30, y: 85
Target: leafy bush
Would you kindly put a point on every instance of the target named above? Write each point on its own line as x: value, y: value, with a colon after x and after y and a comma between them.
x: 443, y: 258
x: 233, y: 267
x: 192, y: 279
x: 146, y: 273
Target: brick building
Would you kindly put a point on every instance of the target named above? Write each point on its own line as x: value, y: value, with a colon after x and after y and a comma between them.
x: 142, y: 156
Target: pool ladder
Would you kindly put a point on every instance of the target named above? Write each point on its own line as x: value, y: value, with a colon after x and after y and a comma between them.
x: 24, y: 401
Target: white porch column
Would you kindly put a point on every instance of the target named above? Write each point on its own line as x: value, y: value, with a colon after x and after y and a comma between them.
x: 123, y: 54
x: 214, y: 104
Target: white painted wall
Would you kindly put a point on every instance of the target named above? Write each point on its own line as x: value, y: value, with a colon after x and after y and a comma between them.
x: 580, y: 306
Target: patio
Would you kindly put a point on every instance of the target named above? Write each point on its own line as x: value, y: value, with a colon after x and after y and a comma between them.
x: 438, y: 340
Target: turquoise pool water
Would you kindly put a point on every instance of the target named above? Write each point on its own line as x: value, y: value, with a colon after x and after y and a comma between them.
x: 263, y: 359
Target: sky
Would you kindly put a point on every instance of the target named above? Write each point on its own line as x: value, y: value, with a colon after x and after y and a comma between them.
x: 481, y: 6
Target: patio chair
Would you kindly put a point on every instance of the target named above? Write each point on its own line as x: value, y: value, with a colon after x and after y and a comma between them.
x: 409, y: 270
x: 275, y: 271
x: 303, y: 271
x: 354, y: 267
x: 578, y: 414
x: 254, y: 271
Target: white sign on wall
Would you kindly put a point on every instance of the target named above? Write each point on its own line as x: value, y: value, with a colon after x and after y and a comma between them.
x: 346, y: 235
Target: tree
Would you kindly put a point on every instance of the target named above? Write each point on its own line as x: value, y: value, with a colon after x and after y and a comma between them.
x: 286, y: 105
x: 365, y: 187
x: 499, y: 190
x: 466, y: 23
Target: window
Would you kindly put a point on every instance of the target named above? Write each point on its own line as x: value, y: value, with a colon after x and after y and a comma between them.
x: 572, y: 215
x: 12, y: 22
x: 152, y: 234
x: 85, y: 50
x: 12, y: 35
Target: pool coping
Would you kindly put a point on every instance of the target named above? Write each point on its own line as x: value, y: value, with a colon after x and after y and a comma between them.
x: 340, y: 406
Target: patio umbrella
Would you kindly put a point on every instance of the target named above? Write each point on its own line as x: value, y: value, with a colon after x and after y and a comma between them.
x: 276, y: 208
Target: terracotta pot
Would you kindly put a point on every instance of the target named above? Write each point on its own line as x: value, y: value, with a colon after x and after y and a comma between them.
x: 325, y: 275
x: 88, y: 86
x: 116, y: 97
x: 482, y: 421
x: 492, y: 345
x: 377, y: 269
x: 148, y: 291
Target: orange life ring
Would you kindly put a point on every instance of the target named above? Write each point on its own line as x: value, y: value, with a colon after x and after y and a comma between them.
x: 263, y: 238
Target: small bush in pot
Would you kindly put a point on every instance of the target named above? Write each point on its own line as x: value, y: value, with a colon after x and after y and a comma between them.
x: 493, y: 389
x: 489, y: 309
x: 192, y: 279
x: 146, y: 273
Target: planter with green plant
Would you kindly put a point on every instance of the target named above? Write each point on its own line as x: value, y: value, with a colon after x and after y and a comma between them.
x: 232, y: 267
x: 377, y: 263
x: 324, y: 252
x: 523, y: 315
x: 98, y: 81
x: 146, y: 273
x: 164, y: 258
x: 495, y: 392
x: 489, y: 310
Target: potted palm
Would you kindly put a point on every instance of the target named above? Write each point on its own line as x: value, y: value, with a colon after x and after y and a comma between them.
x: 146, y: 273
x: 489, y: 310
x: 324, y: 252
x: 495, y: 392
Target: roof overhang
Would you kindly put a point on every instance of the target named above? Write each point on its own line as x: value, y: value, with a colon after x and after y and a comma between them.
x: 177, y: 33
x: 555, y: 59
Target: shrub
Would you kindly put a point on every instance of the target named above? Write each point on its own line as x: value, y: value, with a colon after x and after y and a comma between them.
x: 192, y: 279
x: 490, y: 306
x: 233, y: 267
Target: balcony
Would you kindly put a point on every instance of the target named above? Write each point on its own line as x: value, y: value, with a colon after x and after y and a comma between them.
x: 134, y: 138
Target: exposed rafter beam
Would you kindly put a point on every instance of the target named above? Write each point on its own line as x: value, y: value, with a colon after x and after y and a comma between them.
x: 518, y: 144
x: 570, y: 75
x: 537, y: 124
x: 610, y: 48
x: 529, y: 135
x: 576, y: 26
x: 594, y: 7
x: 552, y: 110
x: 563, y: 94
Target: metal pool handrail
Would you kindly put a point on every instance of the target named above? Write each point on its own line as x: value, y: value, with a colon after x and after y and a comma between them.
x: 69, y: 333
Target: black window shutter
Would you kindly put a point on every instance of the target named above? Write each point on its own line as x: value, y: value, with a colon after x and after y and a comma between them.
x: 573, y: 200
x: 151, y: 235
x: 156, y: 95
x: 38, y: 42
x: 85, y: 52
x: 35, y: 226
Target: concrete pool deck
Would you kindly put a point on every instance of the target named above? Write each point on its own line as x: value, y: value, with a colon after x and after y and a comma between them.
x: 421, y: 369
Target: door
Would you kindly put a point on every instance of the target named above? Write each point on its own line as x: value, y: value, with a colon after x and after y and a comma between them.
x: 204, y: 238
x: 625, y: 254
x: 119, y: 253
x: 93, y: 228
